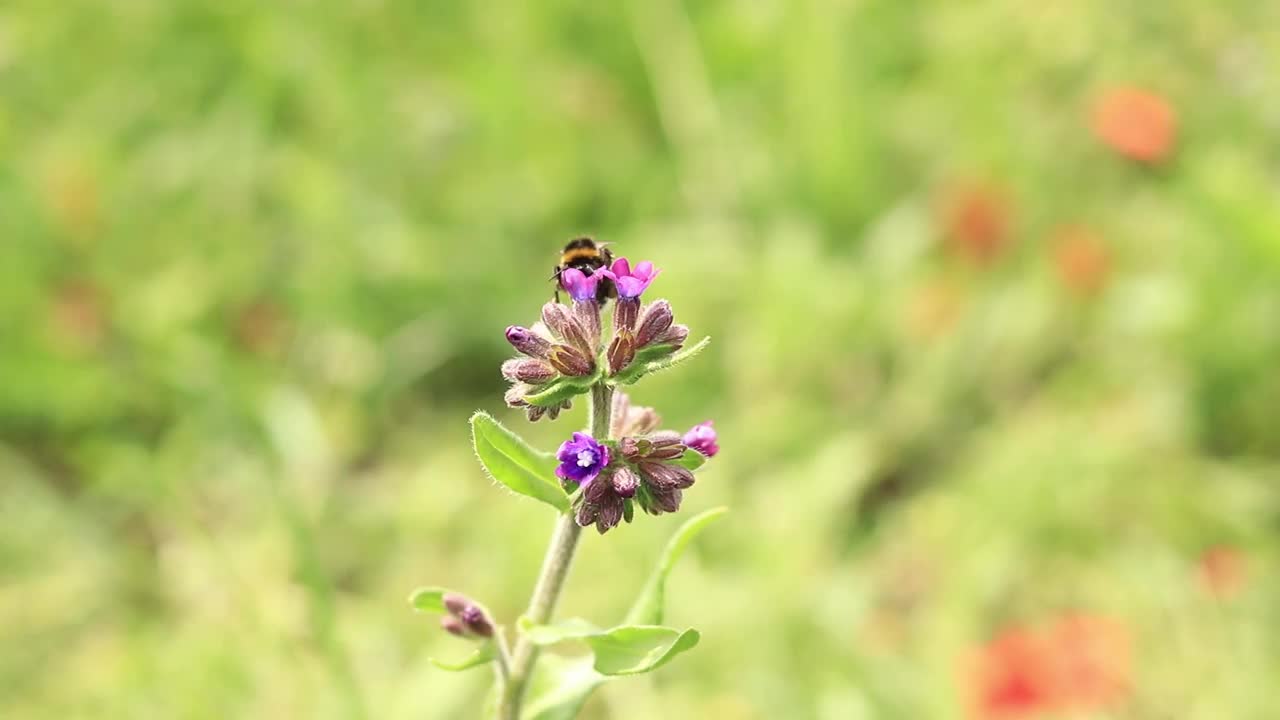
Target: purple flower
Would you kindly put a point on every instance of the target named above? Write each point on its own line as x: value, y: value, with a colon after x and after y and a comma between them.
x: 631, y: 282
x: 581, y: 459
x: 703, y: 439
x: 580, y: 286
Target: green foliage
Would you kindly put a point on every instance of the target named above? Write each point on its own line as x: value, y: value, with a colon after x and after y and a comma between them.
x: 510, y: 461
x: 655, y: 358
x: 482, y: 656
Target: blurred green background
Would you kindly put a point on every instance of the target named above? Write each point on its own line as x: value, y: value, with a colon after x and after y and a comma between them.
x: 994, y: 289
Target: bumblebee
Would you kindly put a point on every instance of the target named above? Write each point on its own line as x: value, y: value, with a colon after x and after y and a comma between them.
x: 588, y: 256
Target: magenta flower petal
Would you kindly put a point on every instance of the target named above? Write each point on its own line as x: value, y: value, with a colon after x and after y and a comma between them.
x: 631, y: 283
x: 703, y: 439
x: 581, y: 286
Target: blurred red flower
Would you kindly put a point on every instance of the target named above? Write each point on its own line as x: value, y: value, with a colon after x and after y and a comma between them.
x: 1222, y: 570
x: 1077, y: 662
x: 976, y: 221
x: 1136, y: 123
x: 1081, y: 259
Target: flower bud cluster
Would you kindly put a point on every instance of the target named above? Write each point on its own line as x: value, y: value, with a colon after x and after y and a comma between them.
x: 465, y: 618
x: 646, y: 467
x: 564, y: 354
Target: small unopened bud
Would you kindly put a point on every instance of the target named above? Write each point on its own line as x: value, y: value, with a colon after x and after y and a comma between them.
x: 474, y: 618
x: 570, y: 361
x: 453, y: 626
x: 587, y: 313
x: 664, y: 475
x: 625, y: 481
x: 655, y: 320
x: 515, y: 395
x: 608, y: 515
x: 456, y: 604
x: 664, y: 500
x: 535, y: 413
x: 673, y: 336
x: 630, y: 448
x: 622, y: 350
x: 556, y: 317
x: 530, y: 370
x: 528, y: 342
x: 561, y: 322
x: 625, y: 314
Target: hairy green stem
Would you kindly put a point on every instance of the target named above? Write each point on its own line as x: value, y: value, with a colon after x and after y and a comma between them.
x: 555, y: 569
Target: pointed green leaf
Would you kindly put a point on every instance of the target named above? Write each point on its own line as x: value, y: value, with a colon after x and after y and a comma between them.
x: 510, y: 461
x: 648, y: 608
x: 655, y: 358
x: 560, y: 687
x: 429, y: 599
x: 623, y: 650
x: 634, y: 649
x: 691, y: 460
x: 482, y: 655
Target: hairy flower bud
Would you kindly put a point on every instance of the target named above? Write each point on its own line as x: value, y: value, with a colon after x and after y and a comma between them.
x: 528, y: 342
x: 608, y: 515
x: 515, y: 395
x: 625, y: 481
x: 664, y: 500
x: 455, y: 603
x: 673, y: 336
x: 563, y: 325
x: 665, y: 476
x: 625, y: 314
x: 476, y: 621
x: 570, y: 361
x: 622, y: 350
x: 453, y: 626
x: 529, y: 370
x: 654, y: 321
x: 587, y: 315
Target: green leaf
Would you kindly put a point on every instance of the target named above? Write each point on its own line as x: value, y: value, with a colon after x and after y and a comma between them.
x: 648, y: 608
x: 571, y: 629
x: 655, y: 358
x: 561, y: 389
x: 691, y: 460
x: 560, y: 687
x: 510, y: 461
x: 482, y: 655
x: 623, y: 650
x: 634, y: 649
x: 429, y: 599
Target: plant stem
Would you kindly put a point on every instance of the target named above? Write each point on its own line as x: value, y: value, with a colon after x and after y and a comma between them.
x: 555, y: 568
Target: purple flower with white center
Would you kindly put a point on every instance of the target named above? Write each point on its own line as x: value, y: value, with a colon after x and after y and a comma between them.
x: 581, y: 459
x: 580, y: 286
x: 703, y: 439
x: 630, y: 282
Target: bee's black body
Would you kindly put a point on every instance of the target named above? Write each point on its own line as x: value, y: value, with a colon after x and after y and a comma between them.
x: 588, y: 256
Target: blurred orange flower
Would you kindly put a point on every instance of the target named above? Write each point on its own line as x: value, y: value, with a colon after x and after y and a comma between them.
x: 1081, y: 259
x: 1077, y: 662
x: 1222, y: 570
x: 976, y: 222
x: 1136, y: 123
